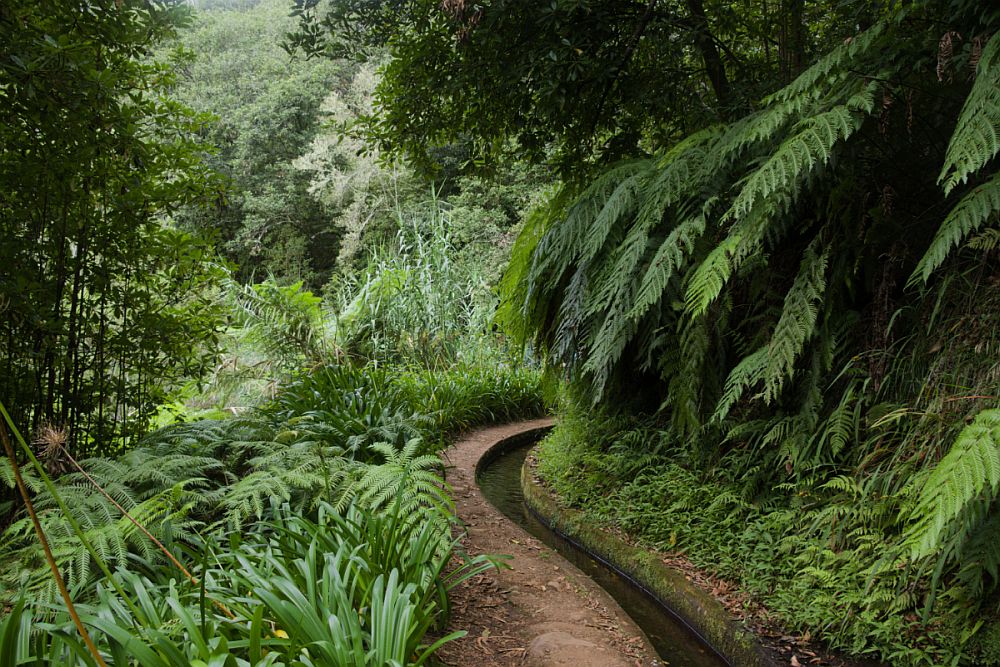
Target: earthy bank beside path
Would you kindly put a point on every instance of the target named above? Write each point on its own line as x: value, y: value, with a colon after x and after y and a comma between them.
x: 541, y: 612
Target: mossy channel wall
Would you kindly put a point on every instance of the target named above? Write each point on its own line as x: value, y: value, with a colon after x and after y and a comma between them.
x: 697, y: 609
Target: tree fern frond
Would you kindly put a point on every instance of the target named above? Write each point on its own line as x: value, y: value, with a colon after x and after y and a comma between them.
x: 762, y: 126
x: 608, y: 345
x: 976, y: 139
x: 613, y: 280
x: 987, y: 240
x: 572, y: 325
x: 568, y: 239
x: 810, y: 145
x: 623, y: 202
x: 970, y: 468
x: 797, y: 322
x: 687, y: 378
x: 835, y: 63
x: 710, y: 276
x: 748, y: 373
x: 974, y: 209
x: 514, y: 310
x: 680, y: 172
x: 669, y: 258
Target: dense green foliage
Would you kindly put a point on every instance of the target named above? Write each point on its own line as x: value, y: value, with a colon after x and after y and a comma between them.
x: 817, y: 557
x: 815, y: 333
x: 767, y: 275
x: 267, y: 111
x: 102, y: 306
x: 315, y: 442
x: 346, y: 523
x: 572, y: 80
x: 780, y: 261
x: 307, y: 197
x: 355, y: 587
x: 292, y: 509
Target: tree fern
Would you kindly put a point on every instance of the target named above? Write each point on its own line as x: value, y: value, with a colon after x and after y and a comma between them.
x: 970, y: 468
x: 712, y: 274
x: 976, y: 139
x: 688, y: 376
x: 669, y: 258
x: 980, y: 205
x: 516, y: 288
x: 748, y: 373
x: 404, y: 477
x: 797, y: 322
x: 973, y: 144
x: 809, y: 146
x: 605, y: 199
x: 285, y: 321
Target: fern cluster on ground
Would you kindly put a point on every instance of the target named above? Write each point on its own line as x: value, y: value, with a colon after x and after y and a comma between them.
x: 351, y: 448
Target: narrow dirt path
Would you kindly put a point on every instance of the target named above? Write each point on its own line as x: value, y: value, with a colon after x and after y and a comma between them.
x: 543, y: 611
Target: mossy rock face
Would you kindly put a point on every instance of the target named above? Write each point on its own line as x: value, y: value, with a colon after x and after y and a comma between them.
x: 697, y: 608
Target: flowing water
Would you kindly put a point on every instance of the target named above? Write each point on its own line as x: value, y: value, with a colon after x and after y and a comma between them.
x: 500, y: 482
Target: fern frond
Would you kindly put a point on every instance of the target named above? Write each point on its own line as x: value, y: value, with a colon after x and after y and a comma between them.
x: 711, y: 276
x: 976, y: 139
x: 513, y: 313
x: 569, y: 239
x: 835, y: 65
x: 620, y: 204
x: 669, y: 258
x: 761, y: 126
x: 987, y: 240
x: 608, y: 346
x: 613, y: 280
x: 974, y: 209
x: 810, y: 145
x: 687, y: 377
x: 840, y: 427
x: 797, y: 322
x: 970, y: 468
x: 748, y: 373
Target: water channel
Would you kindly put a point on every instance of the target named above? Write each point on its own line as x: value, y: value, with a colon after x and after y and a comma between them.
x: 677, y: 645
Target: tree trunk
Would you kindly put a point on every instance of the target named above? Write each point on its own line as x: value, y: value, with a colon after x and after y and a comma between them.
x: 791, y: 39
x: 705, y: 43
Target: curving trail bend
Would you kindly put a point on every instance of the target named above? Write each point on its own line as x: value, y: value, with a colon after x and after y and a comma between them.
x: 543, y: 612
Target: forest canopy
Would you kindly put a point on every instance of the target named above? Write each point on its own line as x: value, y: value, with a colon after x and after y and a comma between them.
x: 571, y: 81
